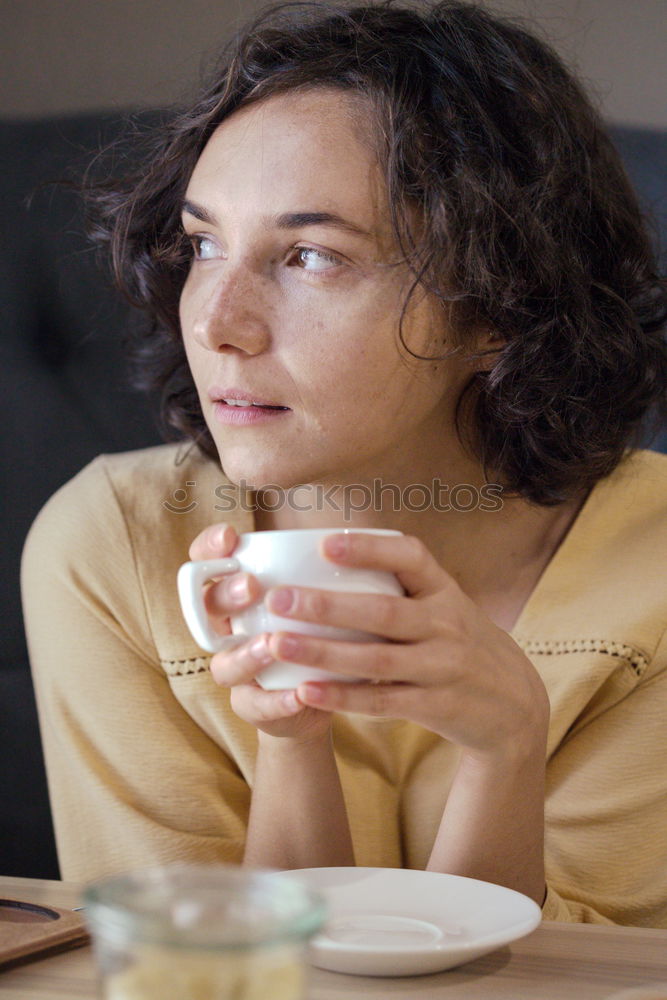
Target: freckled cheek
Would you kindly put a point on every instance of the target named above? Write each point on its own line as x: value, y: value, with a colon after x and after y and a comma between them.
x: 334, y: 367
x: 186, y: 313
x: 198, y: 359
x: 188, y: 339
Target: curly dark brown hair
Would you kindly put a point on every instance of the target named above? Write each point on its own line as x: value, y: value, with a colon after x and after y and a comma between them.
x: 529, y: 226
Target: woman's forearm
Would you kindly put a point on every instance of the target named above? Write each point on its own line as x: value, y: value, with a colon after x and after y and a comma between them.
x: 493, y: 824
x: 297, y: 814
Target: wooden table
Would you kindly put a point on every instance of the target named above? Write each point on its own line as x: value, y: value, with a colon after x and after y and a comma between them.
x: 555, y: 962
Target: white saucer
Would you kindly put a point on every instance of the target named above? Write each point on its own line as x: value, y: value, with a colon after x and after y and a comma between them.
x: 399, y: 922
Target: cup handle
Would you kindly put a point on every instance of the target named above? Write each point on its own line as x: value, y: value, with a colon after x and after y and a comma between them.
x: 190, y: 580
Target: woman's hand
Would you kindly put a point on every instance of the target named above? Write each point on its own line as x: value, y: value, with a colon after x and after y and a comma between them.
x: 275, y: 713
x: 447, y: 666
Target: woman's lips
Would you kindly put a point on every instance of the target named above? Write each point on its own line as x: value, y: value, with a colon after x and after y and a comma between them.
x: 225, y: 413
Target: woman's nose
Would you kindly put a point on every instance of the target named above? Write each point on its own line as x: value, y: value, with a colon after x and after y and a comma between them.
x: 233, y: 315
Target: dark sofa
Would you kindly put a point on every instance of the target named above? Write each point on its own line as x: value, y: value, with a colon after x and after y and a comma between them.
x: 65, y: 399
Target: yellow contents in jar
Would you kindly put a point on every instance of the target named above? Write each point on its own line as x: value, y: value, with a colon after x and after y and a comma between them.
x: 157, y: 974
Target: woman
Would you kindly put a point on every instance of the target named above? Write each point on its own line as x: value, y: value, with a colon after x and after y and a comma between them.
x: 386, y: 250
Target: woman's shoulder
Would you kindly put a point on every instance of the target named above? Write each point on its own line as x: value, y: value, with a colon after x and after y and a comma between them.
x: 625, y: 514
x: 606, y: 585
x: 139, y: 509
x: 151, y: 490
x: 138, y: 478
x: 627, y: 511
x: 117, y: 532
x: 645, y: 468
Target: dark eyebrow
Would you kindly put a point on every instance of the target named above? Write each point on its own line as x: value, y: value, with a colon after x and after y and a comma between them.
x: 197, y: 212
x: 298, y: 220
x: 288, y: 220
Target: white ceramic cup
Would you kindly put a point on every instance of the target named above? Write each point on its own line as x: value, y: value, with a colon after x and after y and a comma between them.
x: 280, y: 558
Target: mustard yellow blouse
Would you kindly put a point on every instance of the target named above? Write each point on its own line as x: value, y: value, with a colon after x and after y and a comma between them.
x: 147, y: 763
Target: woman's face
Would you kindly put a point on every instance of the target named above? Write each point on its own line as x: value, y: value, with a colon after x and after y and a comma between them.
x: 294, y: 297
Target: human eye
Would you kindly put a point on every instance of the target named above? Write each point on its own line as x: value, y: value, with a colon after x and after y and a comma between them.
x: 310, y: 259
x: 204, y: 246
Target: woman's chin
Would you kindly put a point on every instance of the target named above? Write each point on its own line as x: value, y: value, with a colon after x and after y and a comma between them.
x: 253, y: 479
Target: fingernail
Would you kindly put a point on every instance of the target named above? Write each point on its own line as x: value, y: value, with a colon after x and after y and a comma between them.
x: 238, y: 590
x: 336, y: 545
x: 281, y: 600
x: 312, y: 693
x: 291, y: 702
x: 216, y: 538
x: 259, y: 650
x: 217, y: 671
x: 289, y: 646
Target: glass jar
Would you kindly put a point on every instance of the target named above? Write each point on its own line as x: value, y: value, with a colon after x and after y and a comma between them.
x: 202, y: 932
